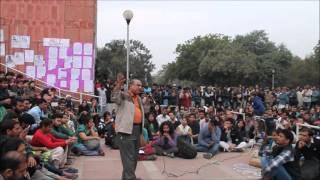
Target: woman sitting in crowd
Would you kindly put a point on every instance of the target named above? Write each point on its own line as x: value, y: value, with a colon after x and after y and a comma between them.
x: 184, y: 131
x: 166, y: 143
x: 88, y: 139
x: 152, y: 126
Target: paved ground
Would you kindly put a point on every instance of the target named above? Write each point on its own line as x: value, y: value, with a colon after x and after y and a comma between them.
x: 223, y: 166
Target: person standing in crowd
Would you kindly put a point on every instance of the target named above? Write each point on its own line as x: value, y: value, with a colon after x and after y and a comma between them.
x: 128, y: 124
x: 102, y: 93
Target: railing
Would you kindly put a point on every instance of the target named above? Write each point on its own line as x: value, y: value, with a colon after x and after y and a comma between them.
x: 305, y: 125
x: 60, y: 91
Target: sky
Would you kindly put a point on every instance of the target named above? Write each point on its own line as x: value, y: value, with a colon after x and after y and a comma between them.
x: 161, y: 25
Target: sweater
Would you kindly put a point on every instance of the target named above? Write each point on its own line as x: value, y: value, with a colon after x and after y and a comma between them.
x: 40, y: 139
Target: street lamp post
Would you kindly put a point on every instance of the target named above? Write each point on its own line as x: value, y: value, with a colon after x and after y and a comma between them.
x: 273, y: 71
x: 128, y: 15
x: 145, y: 75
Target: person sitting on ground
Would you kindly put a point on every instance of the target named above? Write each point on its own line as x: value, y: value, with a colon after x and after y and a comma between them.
x: 88, y: 139
x: 12, y: 165
x: 310, y: 151
x: 152, y: 126
x: 44, y: 138
x: 195, y: 127
x: 209, y: 138
x: 174, y: 121
x: 166, y: 143
x: 184, y: 131
x: 231, y: 139
x: 163, y: 116
x: 282, y: 163
x: 58, y: 130
x: 105, y: 126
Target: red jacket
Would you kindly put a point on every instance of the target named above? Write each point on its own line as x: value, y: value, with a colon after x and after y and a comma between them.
x: 47, y: 140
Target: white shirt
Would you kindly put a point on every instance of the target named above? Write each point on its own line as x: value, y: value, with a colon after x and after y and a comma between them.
x: 160, y: 119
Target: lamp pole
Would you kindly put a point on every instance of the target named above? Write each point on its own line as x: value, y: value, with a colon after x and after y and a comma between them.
x: 145, y: 75
x: 128, y: 15
x: 273, y: 71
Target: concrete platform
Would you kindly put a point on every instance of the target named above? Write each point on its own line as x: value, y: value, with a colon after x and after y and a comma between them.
x: 223, y: 166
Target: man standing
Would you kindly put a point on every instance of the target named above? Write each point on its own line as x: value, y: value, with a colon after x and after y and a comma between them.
x: 128, y: 124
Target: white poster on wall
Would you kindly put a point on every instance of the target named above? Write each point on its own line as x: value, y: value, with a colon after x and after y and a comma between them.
x: 2, y: 49
x: 56, y: 42
x: 20, y: 41
x: 77, y: 48
x: 87, y: 49
x: 10, y: 61
x: 38, y: 60
x: 19, y: 58
x: 28, y: 55
x: 41, y: 71
x: 31, y: 71
x: 87, y: 62
x: 63, y: 52
x: 1, y: 35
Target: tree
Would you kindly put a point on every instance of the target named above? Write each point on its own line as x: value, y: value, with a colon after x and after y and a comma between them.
x: 111, y: 59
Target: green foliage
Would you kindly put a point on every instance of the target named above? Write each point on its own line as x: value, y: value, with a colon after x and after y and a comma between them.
x: 111, y: 59
x: 247, y: 59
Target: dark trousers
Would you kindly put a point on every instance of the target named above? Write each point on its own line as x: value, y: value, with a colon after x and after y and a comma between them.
x: 129, y: 148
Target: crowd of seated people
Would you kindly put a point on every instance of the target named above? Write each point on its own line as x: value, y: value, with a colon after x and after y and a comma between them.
x: 41, y: 133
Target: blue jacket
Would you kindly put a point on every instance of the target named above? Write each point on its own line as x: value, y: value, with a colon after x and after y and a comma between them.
x: 258, y: 106
x: 205, y: 136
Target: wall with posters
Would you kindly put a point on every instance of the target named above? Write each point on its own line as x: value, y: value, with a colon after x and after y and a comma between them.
x: 51, y: 40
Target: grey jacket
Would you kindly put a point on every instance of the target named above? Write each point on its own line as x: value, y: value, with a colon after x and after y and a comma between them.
x: 125, y: 111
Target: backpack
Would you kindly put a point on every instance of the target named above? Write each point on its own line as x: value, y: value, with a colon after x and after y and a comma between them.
x: 185, y: 150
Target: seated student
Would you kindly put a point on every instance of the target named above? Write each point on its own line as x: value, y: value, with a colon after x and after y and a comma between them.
x: 152, y: 126
x: 231, y: 139
x: 44, y: 138
x: 195, y: 127
x: 282, y: 163
x: 12, y: 165
x: 166, y: 143
x: 88, y: 139
x: 184, y: 131
x: 209, y: 138
x: 58, y: 130
x: 174, y: 121
x: 105, y: 126
x: 310, y: 151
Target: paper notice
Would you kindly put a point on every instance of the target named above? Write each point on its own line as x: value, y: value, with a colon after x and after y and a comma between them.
x: 2, y: 49
x: 63, y: 52
x: 86, y: 74
x: 77, y: 48
x: 68, y: 62
x: 62, y: 73
x: 38, y: 60
x: 77, y: 62
x: 75, y: 73
x: 28, y: 55
x: 1, y: 35
x: 31, y: 71
x: 87, y: 62
x: 10, y: 61
x: 88, y: 86
x: 52, y: 64
x: 20, y: 41
x: 19, y: 58
x: 56, y: 42
x: 41, y: 71
x: 63, y: 84
x: 51, y: 79
x: 74, y: 85
x: 53, y: 53
x: 87, y: 49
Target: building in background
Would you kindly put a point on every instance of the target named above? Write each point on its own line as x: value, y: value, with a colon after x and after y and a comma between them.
x: 50, y: 40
